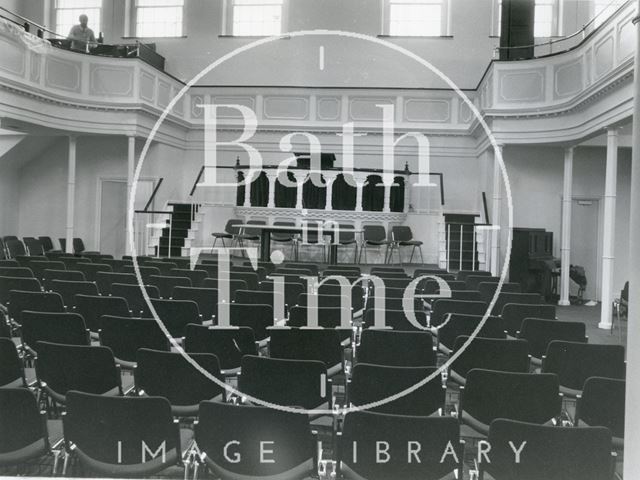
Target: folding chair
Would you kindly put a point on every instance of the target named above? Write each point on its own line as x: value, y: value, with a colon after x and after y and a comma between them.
x: 402, y: 236
x: 91, y: 270
x: 375, y: 383
x: 17, y: 283
x: 228, y: 344
x: 126, y: 335
x: 92, y: 308
x: 505, y: 298
x: 395, y: 319
x: 177, y: 314
x: 323, y: 345
x: 48, y: 276
x: 19, y: 301
x: 257, y: 317
x: 443, y: 307
x: 374, y: 236
x: 47, y: 244
x: 464, y: 325
x: 59, y: 328
x: 292, y: 290
x: 68, y: 290
x: 95, y: 426
x: 472, y: 282
x: 170, y: 375
x: 286, y: 238
x: 62, y: 368
x: 205, y: 298
x: 33, y: 245
x: 11, y: 368
x: 488, y: 289
x: 38, y: 268
x: 552, y: 453
x: 540, y: 332
x: 526, y: 397
x: 396, y: 349
x: 163, y: 267
x: 104, y: 280
x: 145, y: 271
x: 16, y: 272
x: 133, y: 295
x: 166, y: 284
x: 230, y: 233
x: 287, y: 434
x: 463, y: 274
x: 15, y: 248
x: 513, y: 314
x: 116, y: 265
x: 362, y: 430
x: 293, y: 383
x: 602, y: 405
x: 488, y: 354
x: 575, y: 362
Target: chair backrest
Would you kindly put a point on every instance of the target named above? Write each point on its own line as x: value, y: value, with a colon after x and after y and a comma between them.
x: 430, y: 286
x: 48, y: 276
x: 463, y: 274
x: 434, y: 434
x: 306, y: 344
x: 575, y: 362
x: 19, y: 301
x: 93, y: 307
x: 278, y: 236
x: 401, y: 233
x: 11, y: 373
x: 444, y: 306
x: 373, y: 383
x: 84, y: 368
x: 170, y: 375
x: 395, y: 348
x: 395, y: 319
x: 177, y: 314
x: 38, y: 268
x: 311, y: 268
x: 287, y: 434
x: 466, y: 295
x: 9, y: 263
x: 22, y: 426
x: 116, y: 265
x: 472, y: 281
x: 111, y: 432
x: 488, y: 289
x: 514, y: 313
x: 385, y: 270
x: 328, y: 317
x: 205, y: 298
x: 231, y: 227
x: 254, y: 231
x: 34, y: 246
x: 257, y: 317
x: 292, y: 290
x: 15, y: 248
x: 47, y: 243
x: 552, y: 453
x: 228, y: 344
x: 163, y: 267
x: 91, y: 270
x: 464, y: 325
x: 255, y: 297
x: 78, y: 245
x: 133, y: 295
x: 17, y: 283
x: 540, y: 332
x: 21, y: 272
x: 505, y: 298
x: 527, y: 397
x: 374, y: 233
x: 491, y: 354
x: 234, y: 286
x: 166, y: 284
x: 69, y: 289
x: 196, y: 276
x: 104, y: 280
x: 332, y: 287
x: 602, y: 404
x: 294, y: 383
x: 126, y: 335
x: 145, y: 271
x: 62, y: 328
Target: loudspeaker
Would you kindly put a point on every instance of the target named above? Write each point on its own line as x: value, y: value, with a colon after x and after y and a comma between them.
x: 518, y: 18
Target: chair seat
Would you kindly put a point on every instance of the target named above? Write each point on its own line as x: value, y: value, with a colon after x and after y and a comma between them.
x: 377, y: 242
x: 221, y: 235
x: 249, y: 237
x: 409, y: 243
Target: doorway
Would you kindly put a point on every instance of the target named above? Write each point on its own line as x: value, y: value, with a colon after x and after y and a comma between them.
x: 586, y: 244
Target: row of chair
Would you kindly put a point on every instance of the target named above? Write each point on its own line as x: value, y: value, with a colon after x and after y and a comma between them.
x: 12, y: 247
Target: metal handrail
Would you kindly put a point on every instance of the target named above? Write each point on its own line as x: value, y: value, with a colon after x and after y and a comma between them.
x: 195, y: 184
x: 153, y: 195
x: 553, y: 41
x: 31, y: 22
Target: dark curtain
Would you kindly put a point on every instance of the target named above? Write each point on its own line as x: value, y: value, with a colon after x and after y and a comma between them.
x: 260, y: 191
x: 344, y: 195
x: 373, y: 194
x: 397, y: 195
x: 314, y: 197
x: 240, y: 189
x: 286, y: 196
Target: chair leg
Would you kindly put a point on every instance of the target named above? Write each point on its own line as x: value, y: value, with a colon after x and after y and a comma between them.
x: 355, y: 254
x: 413, y: 250
x: 215, y: 239
x: 421, y: 256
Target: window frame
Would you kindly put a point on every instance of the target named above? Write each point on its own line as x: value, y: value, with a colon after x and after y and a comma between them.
x: 556, y: 23
x: 227, y: 27
x: 445, y: 20
x: 54, y: 17
x: 131, y: 24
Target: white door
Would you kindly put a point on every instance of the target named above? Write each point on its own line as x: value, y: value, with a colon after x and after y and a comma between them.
x: 585, y: 248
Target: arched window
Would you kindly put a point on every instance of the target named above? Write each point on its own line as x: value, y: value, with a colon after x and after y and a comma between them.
x: 314, y: 196
x: 397, y: 195
x: 343, y: 196
x: 240, y: 189
x: 260, y: 191
x: 285, y: 197
x: 373, y: 194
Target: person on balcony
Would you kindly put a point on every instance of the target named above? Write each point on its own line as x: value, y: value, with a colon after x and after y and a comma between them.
x: 81, y: 35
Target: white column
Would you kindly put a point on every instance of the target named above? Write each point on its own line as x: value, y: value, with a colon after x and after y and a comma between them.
x: 247, y: 188
x: 301, y: 177
x: 495, y: 211
x: 71, y: 192
x: 632, y: 416
x: 387, y: 197
x: 131, y: 163
x: 272, y: 176
x: 329, y: 178
x: 567, y: 201
x: 407, y: 193
x: 609, y: 228
x: 360, y: 179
